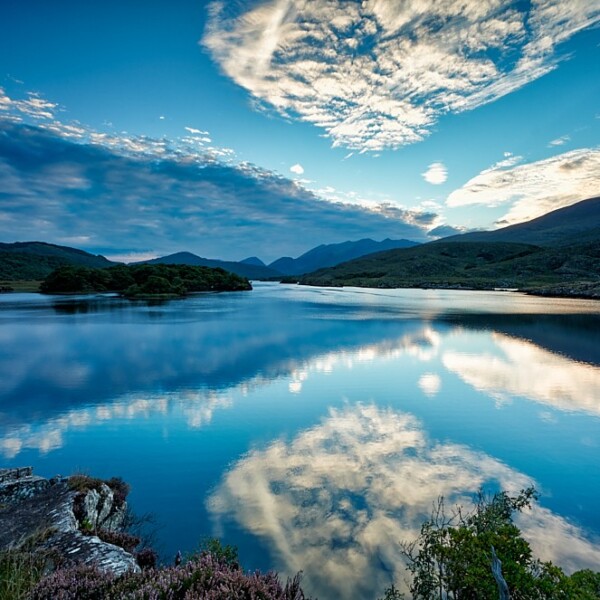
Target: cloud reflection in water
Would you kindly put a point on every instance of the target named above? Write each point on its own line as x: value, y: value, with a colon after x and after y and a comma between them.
x: 525, y: 369
x: 337, y: 499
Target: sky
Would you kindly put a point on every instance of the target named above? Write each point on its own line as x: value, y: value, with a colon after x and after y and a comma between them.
x: 264, y: 128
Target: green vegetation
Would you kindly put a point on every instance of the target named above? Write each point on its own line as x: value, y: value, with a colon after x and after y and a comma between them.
x: 35, y: 260
x: 472, y: 265
x: 142, y: 281
x: 19, y: 572
x: 452, y: 557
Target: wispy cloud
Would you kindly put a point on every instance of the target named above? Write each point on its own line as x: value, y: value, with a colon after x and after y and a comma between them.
x: 436, y: 173
x: 378, y: 74
x: 533, y: 189
x: 297, y: 169
x: 559, y: 141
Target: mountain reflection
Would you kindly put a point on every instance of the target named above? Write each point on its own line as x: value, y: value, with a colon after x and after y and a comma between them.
x: 60, y: 362
x: 337, y: 500
x: 521, y: 368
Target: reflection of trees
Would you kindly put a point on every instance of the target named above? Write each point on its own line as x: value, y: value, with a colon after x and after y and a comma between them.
x: 524, y: 369
x: 337, y: 500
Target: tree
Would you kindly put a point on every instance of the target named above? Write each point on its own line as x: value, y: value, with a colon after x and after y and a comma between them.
x: 452, y: 557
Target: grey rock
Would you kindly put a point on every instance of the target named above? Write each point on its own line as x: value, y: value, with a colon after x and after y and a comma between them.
x: 37, y: 514
x: 19, y: 484
x: 100, y: 510
x: 76, y: 548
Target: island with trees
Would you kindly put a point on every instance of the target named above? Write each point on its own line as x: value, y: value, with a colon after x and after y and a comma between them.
x: 143, y: 280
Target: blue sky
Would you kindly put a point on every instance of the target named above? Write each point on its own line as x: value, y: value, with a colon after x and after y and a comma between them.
x: 265, y: 128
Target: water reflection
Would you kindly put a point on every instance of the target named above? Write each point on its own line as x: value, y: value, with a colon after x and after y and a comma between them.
x: 337, y: 499
x: 197, y: 383
x: 196, y: 406
x: 517, y: 367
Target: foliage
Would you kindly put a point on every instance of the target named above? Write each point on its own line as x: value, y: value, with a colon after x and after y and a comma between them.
x: 142, y: 280
x: 147, y: 558
x: 223, y: 552
x: 120, y: 489
x: 205, y: 577
x: 393, y: 593
x: 451, y: 558
x: 124, y: 540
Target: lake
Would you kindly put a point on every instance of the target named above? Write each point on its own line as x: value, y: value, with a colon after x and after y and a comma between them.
x: 313, y: 428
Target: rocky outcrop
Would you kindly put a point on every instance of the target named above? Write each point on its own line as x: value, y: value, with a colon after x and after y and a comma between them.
x: 48, y: 515
x: 19, y: 484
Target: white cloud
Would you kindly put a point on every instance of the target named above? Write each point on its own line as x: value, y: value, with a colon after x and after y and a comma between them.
x: 436, y: 173
x: 33, y: 106
x: 297, y: 169
x: 379, y: 74
x: 560, y: 141
x: 533, y: 189
x: 195, y: 131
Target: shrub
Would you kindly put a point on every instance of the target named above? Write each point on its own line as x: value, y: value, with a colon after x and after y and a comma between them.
x: 205, y: 577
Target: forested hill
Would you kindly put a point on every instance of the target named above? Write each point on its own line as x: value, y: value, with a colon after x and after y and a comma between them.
x: 36, y: 260
x: 569, y: 270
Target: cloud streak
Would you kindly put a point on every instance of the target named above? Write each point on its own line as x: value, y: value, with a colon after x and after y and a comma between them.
x: 379, y: 74
x: 533, y: 189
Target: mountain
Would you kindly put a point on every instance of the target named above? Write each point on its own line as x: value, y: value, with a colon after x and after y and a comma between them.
x: 35, y: 260
x: 576, y: 223
x: 251, y: 271
x: 329, y: 255
x: 570, y: 270
x: 564, y: 260
x: 253, y: 260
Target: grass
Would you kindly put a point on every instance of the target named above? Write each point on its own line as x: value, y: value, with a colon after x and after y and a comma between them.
x: 21, y: 286
x: 20, y: 571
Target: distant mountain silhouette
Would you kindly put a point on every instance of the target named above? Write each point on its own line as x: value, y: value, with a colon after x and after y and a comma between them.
x: 330, y: 255
x: 36, y: 260
x: 251, y: 271
x: 577, y: 223
x: 253, y: 260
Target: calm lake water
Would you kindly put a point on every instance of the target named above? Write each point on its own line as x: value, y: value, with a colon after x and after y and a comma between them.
x: 313, y: 428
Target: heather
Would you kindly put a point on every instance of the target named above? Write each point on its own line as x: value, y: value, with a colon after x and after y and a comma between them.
x: 205, y: 576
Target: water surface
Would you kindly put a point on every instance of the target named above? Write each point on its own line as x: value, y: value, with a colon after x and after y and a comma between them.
x: 313, y: 427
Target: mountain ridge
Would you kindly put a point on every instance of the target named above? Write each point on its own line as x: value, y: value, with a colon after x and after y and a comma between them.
x: 244, y: 269
x: 329, y: 255
x: 568, y: 265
